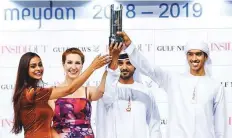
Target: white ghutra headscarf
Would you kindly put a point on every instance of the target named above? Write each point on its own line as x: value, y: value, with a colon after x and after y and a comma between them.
x: 136, y: 76
x: 101, y: 113
x: 203, y: 47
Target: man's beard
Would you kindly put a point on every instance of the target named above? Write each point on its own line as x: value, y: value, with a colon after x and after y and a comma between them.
x: 128, y: 76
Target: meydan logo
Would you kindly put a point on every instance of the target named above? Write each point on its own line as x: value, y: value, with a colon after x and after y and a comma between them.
x: 40, y: 13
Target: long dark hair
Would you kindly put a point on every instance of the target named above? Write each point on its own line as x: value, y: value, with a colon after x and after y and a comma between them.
x: 23, y: 81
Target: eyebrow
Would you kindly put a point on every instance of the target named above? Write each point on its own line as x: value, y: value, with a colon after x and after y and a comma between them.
x: 126, y: 61
x: 195, y: 52
x: 35, y: 63
x: 74, y: 61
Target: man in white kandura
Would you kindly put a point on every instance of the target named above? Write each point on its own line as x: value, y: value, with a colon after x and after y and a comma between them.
x: 127, y: 108
x: 196, y: 101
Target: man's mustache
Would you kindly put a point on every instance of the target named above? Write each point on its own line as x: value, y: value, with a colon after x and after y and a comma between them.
x: 194, y: 61
x: 124, y: 70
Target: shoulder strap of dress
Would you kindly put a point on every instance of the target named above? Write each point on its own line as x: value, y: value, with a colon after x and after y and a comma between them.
x: 86, y: 93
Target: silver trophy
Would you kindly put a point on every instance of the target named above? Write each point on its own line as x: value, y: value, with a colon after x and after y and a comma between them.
x: 115, y: 23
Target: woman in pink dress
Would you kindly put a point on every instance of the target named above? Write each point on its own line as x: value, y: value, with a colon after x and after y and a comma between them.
x: 73, y: 112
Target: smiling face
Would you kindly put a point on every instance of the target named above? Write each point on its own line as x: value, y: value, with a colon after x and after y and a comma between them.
x: 36, y: 68
x: 126, y: 68
x: 196, y: 60
x: 73, y: 60
x: 73, y: 66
